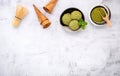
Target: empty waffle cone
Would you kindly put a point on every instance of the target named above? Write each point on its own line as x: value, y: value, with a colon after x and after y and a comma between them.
x: 49, y: 7
x: 41, y: 17
x: 21, y: 12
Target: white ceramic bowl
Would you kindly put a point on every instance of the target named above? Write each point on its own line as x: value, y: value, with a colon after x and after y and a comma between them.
x: 107, y: 10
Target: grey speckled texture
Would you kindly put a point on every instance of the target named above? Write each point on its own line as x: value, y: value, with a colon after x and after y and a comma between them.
x: 32, y: 51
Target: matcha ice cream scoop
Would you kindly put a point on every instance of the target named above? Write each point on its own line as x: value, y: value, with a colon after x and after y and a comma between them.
x: 76, y: 15
x: 66, y: 18
x: 74, y: 25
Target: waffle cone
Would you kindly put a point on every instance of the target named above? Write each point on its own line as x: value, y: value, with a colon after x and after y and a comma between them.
x: 41, y: 17
x: 50, y: 6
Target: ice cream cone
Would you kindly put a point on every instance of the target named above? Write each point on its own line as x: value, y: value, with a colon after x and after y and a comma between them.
x: 21, y: 12
x: 41, y: 17
x: 49, y: 7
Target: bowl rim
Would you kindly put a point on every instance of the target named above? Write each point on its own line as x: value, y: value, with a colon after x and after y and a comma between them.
x: 65, y: 26
x: 106, y: 8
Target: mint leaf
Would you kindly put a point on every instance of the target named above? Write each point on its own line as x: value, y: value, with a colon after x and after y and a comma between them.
x: 82, y: 24
x: 81, y: 20
x: 79, y: 23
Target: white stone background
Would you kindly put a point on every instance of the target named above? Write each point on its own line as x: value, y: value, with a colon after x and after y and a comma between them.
x: 31, y: 50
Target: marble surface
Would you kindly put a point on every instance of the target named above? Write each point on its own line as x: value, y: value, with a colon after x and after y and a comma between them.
x: 31, y: 50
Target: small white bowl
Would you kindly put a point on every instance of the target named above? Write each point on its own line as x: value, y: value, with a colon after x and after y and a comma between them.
x: 107, y: 10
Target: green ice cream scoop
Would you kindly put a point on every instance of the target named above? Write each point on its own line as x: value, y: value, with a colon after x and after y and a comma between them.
x: 74, y: 25
x: 76, y: 15
x: 66, y: 18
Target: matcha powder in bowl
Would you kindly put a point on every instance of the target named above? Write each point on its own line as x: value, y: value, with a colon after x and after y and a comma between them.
x: 95, y: 15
